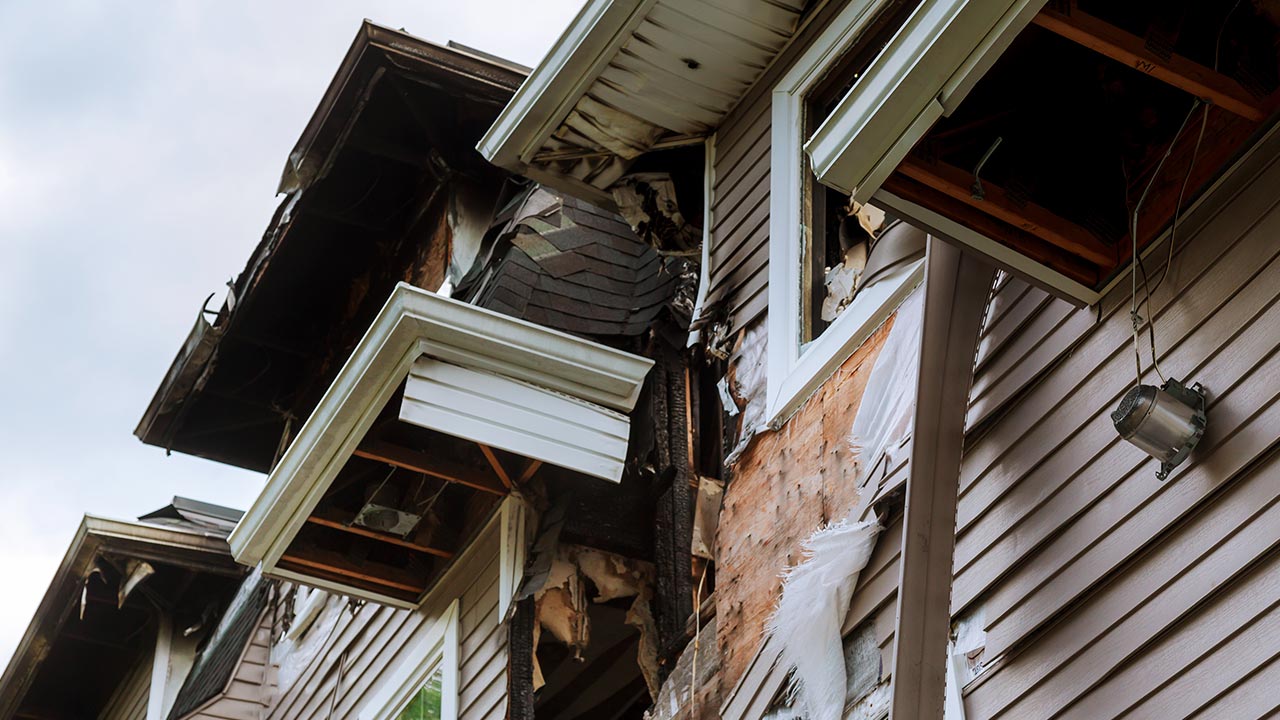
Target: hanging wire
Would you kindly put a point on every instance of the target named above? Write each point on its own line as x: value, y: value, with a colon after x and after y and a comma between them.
x: 1138, y: 265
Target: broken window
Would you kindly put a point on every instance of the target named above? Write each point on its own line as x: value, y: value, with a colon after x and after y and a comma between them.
x: 838, y: 232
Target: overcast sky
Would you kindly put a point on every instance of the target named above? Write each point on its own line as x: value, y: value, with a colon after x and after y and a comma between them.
x: 140, y: 147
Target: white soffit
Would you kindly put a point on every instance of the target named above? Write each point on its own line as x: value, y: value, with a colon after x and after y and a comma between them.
x: 513, y: 377
x: 631, y: 75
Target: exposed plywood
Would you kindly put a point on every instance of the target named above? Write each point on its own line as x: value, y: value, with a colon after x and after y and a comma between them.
x: 786, y: 484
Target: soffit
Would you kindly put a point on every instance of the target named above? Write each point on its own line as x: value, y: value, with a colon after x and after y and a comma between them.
x: 631, y: 76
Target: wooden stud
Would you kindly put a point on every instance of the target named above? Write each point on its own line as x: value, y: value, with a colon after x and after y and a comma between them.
x: 494, y: 463
x: 381, y: 537
x: 1029, y: 217
x: 414, y: 461
x: 1178, y: 71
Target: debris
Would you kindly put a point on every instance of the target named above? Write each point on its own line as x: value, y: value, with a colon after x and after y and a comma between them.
x: 647, y: 201
x: 706, y: 517
x: 748, y: 382
x: 135, y: 571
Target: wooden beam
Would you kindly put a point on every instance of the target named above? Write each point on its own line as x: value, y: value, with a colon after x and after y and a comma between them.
x: 494, y: 463
x: 1059, y: 260
x: 956, y: 289
x: 414, y: 461
x: 332, y: 563
x: 381, y: 537
x: 1178, y: 71
x: 529, y: 471
x: 1028, y: 217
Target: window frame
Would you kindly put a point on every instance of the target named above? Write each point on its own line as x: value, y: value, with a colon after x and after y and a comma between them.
x: 795, y: 370
x: 438, y: 650
x: 928, y: 66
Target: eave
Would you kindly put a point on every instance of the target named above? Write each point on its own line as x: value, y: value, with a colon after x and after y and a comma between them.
x: 415, y: 330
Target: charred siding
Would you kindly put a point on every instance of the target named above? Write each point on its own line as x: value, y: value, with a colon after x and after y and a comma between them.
x: 1105, y: 590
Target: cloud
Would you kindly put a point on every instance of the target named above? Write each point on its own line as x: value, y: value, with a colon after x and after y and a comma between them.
x: 140, y: 146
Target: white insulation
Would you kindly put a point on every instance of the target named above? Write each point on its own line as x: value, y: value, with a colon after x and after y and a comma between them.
x: 748, y: 367
x: 816, y: 593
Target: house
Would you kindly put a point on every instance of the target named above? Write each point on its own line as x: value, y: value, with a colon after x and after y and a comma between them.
x: 993, y: 547
x: 450, y: 374
x: 765, y: 359
x: 118, y: 630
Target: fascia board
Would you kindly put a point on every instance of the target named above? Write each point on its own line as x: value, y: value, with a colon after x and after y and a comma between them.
x: 555, y: 86
x: 921, y: 75
x: 412, y: 323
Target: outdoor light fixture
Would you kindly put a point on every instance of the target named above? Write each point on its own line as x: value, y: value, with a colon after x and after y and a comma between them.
x: 1165, y: 422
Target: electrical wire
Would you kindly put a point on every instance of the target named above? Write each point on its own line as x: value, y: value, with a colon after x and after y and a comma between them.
x: 1134, y: 317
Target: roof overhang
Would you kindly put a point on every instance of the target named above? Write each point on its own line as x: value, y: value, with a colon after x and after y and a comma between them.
x: 187, y: 548
x: 631, y: 76
x: 468, y: 373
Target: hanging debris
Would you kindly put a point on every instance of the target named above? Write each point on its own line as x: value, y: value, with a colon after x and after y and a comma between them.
x: 647, y: 201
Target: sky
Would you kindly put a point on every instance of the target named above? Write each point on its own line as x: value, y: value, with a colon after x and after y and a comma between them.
x: 141, y: 143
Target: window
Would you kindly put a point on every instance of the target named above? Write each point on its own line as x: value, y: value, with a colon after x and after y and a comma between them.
x: 425, y: 686
x: 427, y: 703
x: 832, y: 282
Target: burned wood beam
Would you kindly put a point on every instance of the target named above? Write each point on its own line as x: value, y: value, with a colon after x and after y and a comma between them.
x: 520, y: 650
x: 1111, y: 41
x: 996, y: 202
x: 380, y: 537
x: 956, y: 288
x: 415, y: 461
x: 371, y: 572
x: 496, y: 464
x: 1033, y: 247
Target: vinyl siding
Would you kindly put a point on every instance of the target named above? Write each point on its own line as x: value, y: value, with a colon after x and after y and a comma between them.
x: 375, y: 642
x: 132, y: 695
x: 1103, y: 590
x: 249, y: 691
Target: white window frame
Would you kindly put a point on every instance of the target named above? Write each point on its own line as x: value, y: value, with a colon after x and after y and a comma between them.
x: 796, y: 370
x: 927, y: 68
x: 437, y: 650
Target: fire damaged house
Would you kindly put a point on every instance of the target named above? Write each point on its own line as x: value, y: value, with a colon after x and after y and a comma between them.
x: 747, y: 359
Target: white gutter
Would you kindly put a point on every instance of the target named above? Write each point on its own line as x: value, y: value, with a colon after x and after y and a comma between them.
x: 550, y: 92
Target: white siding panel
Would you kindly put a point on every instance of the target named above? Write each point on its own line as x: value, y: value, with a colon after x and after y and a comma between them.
x: 511, y: 415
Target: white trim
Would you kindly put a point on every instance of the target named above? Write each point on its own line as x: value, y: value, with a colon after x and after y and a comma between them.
x: 512, y: 550
x: 415, y: 322
x: 924, y: 72
x: 438, y: 650
x: 795, y: 372
x: 708, y: 195
x: 551, y: 91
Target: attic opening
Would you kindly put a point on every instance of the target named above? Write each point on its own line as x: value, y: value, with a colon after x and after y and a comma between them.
x: 1054, y: 149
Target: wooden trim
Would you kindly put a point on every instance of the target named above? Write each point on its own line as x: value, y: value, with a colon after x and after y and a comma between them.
x: 1111, y: 41
x: 956, y: 289
x: 415, y: 461
x: 1029, y: 217
x: 494, y: 463
x: 382, y: 537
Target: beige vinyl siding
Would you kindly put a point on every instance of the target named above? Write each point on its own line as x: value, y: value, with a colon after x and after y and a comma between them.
x: 739, y: 253
x: 1101, y: 588
x: 377, y: 641
x: 130, y: 700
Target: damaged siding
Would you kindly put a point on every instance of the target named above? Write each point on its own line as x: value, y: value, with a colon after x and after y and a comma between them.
x: 787, y: 484
x: 1102, y: 589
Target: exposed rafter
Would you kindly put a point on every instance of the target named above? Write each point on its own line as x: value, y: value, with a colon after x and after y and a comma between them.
x: 381, y: 537
x: 415, y: 461
x: 1178, y: 71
